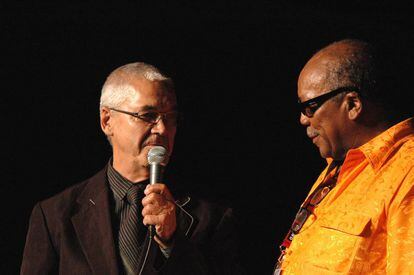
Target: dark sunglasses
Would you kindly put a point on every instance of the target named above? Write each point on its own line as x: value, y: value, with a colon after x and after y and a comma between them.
x: 309, y: 107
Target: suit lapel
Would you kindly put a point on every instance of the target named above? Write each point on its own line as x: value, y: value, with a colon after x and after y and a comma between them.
x: 185, y: 221
x: 93, y: 226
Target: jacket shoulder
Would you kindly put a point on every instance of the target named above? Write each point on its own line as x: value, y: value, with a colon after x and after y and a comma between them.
x: 65, y: 203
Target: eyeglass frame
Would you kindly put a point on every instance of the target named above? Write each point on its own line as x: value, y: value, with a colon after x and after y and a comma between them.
x: 160, y: 115
x: 303, y: 214
x: 306, y: 210
x: 307, y: 110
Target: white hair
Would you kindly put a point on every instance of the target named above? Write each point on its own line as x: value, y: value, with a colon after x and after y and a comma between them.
x: 117, y: 88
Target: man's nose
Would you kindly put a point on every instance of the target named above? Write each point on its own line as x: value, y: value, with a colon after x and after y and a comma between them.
x: 159, y: 127
x: 304, y: 120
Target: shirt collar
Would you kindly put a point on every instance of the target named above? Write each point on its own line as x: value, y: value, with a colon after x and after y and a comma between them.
x: 118, y: 184
x: 380, y: 147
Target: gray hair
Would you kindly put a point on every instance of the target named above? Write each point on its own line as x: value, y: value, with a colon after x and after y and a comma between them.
x: 117, y: 88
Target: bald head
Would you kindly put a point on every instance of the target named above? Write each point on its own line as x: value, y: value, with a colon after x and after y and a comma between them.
x: 343, y: 63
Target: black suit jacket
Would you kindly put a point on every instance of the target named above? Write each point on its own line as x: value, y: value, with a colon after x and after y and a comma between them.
x: 71, y: 233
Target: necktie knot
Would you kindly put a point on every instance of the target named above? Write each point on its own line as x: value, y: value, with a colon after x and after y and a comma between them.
x: 134, y: 194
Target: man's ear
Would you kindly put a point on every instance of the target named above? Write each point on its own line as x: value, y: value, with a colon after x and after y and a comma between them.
x: 354, y: 105
x: 106, y: 121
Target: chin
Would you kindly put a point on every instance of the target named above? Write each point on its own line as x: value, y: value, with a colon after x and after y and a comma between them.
x: 324, y: 154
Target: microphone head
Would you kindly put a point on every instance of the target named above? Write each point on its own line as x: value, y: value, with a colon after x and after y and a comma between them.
x: 157, y: 155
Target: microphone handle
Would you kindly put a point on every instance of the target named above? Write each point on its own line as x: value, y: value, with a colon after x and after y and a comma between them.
x: 156, y: 171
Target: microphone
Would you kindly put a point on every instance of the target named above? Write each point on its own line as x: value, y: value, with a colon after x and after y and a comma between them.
x: 157, y: 156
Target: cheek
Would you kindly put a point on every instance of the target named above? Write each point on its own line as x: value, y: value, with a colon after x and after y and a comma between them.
x: 171, y: 135
x: 136, y: 138
x: 324, y: 131
x: 331, y: 136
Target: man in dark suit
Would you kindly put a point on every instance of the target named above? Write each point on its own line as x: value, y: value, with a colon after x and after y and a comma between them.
x: 100, y: 226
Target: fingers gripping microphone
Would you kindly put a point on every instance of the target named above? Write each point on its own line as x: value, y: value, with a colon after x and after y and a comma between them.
x: 157, y: 155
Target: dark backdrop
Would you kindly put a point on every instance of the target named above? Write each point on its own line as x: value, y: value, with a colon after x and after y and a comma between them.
x: 235, y: 67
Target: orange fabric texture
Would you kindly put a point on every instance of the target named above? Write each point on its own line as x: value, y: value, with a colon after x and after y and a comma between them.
x: 365, y: 225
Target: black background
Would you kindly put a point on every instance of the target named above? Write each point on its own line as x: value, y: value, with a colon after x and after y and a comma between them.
x: 235, y: 66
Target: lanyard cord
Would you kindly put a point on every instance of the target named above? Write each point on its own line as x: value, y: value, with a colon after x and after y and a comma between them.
x: 308, y: 207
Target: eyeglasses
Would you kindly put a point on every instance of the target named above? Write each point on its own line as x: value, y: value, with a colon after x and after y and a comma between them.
x: 305, y: 211
x: 309, y: 107
x: 313, y: 201
x: 153, y: 117
x: 303, y: 214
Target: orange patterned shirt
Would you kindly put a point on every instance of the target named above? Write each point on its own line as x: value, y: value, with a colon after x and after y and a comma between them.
x: 365, y: 225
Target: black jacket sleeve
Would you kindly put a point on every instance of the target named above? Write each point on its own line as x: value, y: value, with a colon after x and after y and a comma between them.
x: 39, y: 256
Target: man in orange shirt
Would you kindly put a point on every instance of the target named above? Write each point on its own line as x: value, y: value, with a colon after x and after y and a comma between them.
x: 359, y: 215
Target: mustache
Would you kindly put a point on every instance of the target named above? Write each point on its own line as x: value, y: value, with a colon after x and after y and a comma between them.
x: 312, y: 132
x: 156, y: 140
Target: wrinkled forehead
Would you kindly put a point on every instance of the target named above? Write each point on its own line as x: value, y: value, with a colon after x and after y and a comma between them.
x: 311, y: 82
x: 152, y: 95
x: 321, y: 73
x: 325, y: 65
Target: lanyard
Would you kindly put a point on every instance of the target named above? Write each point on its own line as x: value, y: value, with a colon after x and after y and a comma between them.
x: 327, y: 184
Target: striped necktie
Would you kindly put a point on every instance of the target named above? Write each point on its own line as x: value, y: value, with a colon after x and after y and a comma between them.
x: 131, y: 230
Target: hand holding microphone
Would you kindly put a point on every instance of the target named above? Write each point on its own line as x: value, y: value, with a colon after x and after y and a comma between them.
x: 158, y: 205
